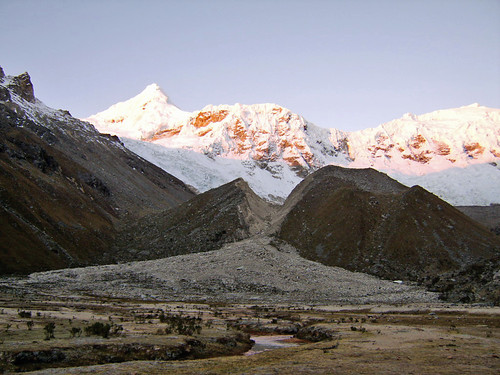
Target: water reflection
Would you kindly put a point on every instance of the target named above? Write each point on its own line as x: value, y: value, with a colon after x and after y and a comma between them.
x: 265, y: 343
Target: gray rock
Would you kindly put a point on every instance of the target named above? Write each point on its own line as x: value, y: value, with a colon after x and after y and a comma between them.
x: 22, y: 86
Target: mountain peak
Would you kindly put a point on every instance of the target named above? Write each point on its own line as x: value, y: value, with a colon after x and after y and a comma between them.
x: 153, y: 88
x: 265, y: 142
x: 21, y: 85
x: 153, y: 91
x: 139, y: 117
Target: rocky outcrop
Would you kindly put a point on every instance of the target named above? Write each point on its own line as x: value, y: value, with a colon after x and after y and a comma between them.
x: 22, y: 86
x: 317, y: 333
x: 4, y: 94
x: 475, y: 283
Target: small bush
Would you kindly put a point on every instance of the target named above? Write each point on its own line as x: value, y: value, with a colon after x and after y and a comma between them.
x: 98, y: 329
x: 103, y: 329
x: 24, y: 314
x: 49, y: 330
x: 183, y: 325
x: 74, y: 331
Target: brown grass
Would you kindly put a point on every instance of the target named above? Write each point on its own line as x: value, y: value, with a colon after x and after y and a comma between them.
x: 425, y: 340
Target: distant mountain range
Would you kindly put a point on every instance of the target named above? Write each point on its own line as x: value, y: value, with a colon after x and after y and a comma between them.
x: 454, y: 153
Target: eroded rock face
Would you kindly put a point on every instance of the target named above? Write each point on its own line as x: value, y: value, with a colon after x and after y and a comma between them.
x: 204, y: 119
x: 23, y: 87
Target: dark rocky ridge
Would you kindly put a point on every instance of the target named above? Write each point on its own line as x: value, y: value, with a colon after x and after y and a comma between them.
x: 226, y: 214
x: 65, y: 188
x: 362, y: 179
x: 368, y: 223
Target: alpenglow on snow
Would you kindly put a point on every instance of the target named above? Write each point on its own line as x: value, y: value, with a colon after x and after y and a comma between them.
x: 455, y: 153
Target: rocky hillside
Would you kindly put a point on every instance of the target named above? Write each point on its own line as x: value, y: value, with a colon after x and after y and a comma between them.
x: 229, y: 213
x: 64, y: 187
x: 476, y: 282
x: 362, y: 220
x: 251, y: 270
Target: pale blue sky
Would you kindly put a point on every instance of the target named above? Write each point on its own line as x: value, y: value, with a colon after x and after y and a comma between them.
x: 344, y: 64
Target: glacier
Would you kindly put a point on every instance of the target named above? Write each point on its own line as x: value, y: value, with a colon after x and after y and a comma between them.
x: 454, y: 153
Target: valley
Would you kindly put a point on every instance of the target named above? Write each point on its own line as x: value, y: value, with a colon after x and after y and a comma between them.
x: 241, y: 221
x: 142, y: 338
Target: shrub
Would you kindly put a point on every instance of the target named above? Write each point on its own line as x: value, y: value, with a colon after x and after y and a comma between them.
x: 98, y: 329
x: 24, y: 314
x: 103, y: 329
x: 183, y: 325
x: 74, y: 331
x: 49, y: 330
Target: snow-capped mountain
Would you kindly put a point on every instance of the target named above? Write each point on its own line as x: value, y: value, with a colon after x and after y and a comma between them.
x: 454, y: 153
x: 259, y: 132
x: 431, y: 142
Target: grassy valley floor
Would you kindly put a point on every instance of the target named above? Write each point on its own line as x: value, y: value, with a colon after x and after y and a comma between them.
x: 203, y: 338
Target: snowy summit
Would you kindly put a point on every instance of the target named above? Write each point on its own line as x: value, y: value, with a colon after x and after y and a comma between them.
x: 454, y: 153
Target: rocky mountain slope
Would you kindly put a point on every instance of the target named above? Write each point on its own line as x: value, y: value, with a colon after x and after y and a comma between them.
x: 362, y: 220
x: 64, y: 187
x: 357, y: 219
x: 251, y: 271
x: 454, y: 153
x: 489, y: 216
x: 229, y: 213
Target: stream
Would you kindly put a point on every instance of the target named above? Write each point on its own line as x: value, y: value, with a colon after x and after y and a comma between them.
x: 265, y: 343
